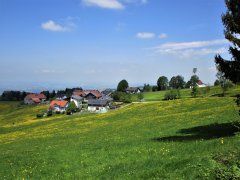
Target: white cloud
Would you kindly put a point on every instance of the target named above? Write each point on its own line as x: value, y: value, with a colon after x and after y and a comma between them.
x: 194, y: 48
x: 53, y: 26
x: 136, y: 1
x: 145, y: 35
x: 109, y: 4
x: 163, y: 36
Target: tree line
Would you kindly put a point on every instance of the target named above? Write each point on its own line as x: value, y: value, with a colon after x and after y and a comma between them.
x: 20, y: 95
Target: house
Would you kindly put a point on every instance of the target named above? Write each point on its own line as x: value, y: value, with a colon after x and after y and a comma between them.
x: 133, y: 90
x: 107, y: 92
x: 201, y: 84
x: 92, y: 94
x: 61, y: 97
x: 79, y: 93
x: 78, y: 100
x: 88, y: 94
x: 58, y: 105
x: 98, y: 105
x: 107, y: 98
x: 34, y: 98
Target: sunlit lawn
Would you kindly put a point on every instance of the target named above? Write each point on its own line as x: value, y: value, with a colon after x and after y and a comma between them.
x: 169, y: 139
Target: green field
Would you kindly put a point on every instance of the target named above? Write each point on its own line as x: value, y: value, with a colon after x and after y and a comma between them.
x: 186, y: 93
x: 189, y: 138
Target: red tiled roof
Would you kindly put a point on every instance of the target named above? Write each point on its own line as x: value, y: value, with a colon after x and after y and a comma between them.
x: 200, y: 82
x: 36, y: 100
x: 94, y: 92
x: 83, y: 93
x: 60, y: 103
x: 79, y: 93
x: 39, y: 96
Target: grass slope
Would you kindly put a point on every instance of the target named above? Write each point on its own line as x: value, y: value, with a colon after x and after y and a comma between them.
x: 186, y: 93
x: 169, y: 139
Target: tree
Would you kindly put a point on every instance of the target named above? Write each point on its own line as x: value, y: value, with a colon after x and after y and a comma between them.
x: 194, y: 91
x: 194, y: 80
x: 53, y: 94
x: 177, y: 82
x: 46, y: 93
x: 172, y: 94
x: 162, y: 83
x: 217, y: 82
x: 147, y: 88
x: 122, y: 85
x: 224, y: 83
x: 231, y: 22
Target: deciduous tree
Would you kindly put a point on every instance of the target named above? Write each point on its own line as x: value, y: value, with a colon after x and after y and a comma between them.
x: 162, y: 83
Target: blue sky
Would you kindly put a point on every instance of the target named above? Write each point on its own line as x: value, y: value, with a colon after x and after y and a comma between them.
x: 96, y: 43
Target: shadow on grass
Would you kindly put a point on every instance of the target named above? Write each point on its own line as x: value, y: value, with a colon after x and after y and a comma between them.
x: 211, y: 131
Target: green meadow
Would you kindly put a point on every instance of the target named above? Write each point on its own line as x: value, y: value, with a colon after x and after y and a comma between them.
x: 189, y: 138
x: 186, y: 93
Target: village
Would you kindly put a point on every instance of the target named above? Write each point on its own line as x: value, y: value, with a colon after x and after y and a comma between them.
x: 82, y: 100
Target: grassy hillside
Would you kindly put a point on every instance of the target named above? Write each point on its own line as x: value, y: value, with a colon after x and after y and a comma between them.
x: 186, y: 93
x: 182, y: 139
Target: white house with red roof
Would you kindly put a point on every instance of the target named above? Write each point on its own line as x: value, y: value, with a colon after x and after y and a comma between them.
x: 201, y: 84
x: 34, y: 98
x: 58, y: 105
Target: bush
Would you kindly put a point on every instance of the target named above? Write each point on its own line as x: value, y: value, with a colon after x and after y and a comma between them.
x: 172, y: 94
x: 225, y: 85
x: 58, y: 112
x: 72, y: 107
x: 69, y: 113
x: 140, y: 96
x: 123, y: 97
x: 195, y: 91
x: 126, y: 98
x: 40, y: 115
x: 49, y: 113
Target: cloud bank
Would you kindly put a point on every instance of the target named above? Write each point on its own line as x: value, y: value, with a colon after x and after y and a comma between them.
x: 189, y: 49
x: 109, y: 4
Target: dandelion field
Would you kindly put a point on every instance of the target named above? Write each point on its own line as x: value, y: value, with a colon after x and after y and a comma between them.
x: 188, y: 138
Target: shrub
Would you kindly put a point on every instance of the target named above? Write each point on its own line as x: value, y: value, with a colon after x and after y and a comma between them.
x: 123, y: 97
x: 195, y: 91
x: 172, y: 94
x: 49, y: 113
x: 40, y: 115
x: 225, y: 85
x: 72, y: 107
x: 140, y: 96
x: 126, y: 98
x: 58, y: 112
x: 69, y: 112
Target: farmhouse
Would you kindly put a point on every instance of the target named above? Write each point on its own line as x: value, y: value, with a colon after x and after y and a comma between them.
x: 58, y: 105
x: 107, y: 92
x: 79, y: 93
x: 78, y: 100
x: 98, y: 105
x: 61, y: 97
x: 200, y: 84
x: 34, y: 98
x: 133, y: 90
